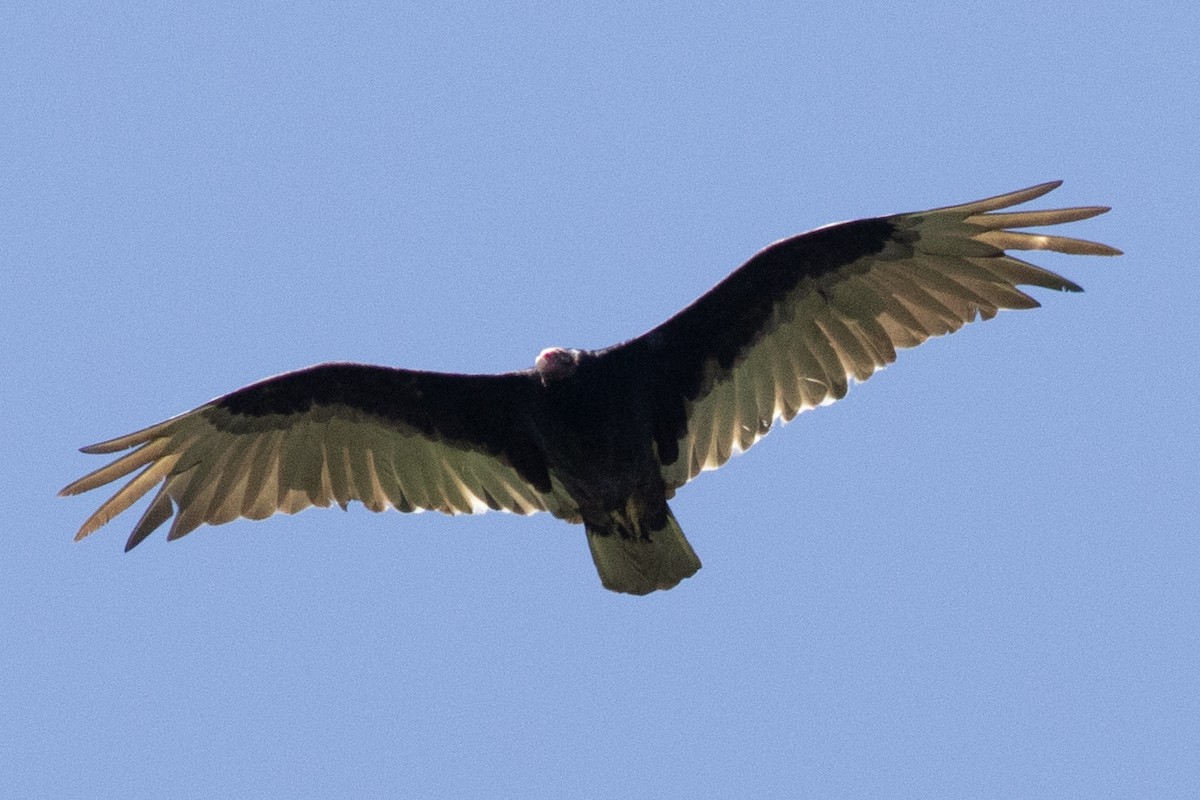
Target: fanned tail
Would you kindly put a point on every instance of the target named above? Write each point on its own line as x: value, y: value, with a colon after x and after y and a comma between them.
x: 633, y: 559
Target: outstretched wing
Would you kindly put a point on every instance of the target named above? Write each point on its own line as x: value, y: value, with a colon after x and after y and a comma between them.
x: 790, y: 328
x: 335, y: 433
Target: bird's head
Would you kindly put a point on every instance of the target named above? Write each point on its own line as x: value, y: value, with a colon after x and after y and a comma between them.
x: 556, y: 363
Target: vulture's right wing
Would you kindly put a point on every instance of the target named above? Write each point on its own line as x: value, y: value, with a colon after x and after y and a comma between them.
x: 335, y: 433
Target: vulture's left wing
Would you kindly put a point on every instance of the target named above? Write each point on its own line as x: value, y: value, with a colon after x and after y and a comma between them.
x: 335, y: 433
x: 790, y: 328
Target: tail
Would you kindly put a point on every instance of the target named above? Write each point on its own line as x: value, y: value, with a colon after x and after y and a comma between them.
x: 641, y: 561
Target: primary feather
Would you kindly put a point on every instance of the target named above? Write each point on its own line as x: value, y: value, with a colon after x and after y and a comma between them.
x: 606, y: 437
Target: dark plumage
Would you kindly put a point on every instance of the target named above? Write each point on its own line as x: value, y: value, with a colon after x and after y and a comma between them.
x: 605, y: 437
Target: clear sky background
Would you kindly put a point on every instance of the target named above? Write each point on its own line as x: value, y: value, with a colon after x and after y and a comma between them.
x: 974, y: 577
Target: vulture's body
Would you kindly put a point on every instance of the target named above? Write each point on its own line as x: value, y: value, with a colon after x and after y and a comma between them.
x: 606, y: 437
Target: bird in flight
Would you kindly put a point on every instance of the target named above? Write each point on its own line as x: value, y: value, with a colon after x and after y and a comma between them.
x: 603, y: 437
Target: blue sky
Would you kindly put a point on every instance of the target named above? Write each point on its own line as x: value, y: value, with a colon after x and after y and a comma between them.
x: 975, y: 576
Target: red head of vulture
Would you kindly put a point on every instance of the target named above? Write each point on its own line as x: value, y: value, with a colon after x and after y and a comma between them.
x: 602, y: 438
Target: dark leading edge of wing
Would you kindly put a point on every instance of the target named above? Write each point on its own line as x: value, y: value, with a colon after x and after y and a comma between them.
x: 484, y: 412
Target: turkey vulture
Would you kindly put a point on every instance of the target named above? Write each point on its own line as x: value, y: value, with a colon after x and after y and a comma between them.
x: 599, y: 437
